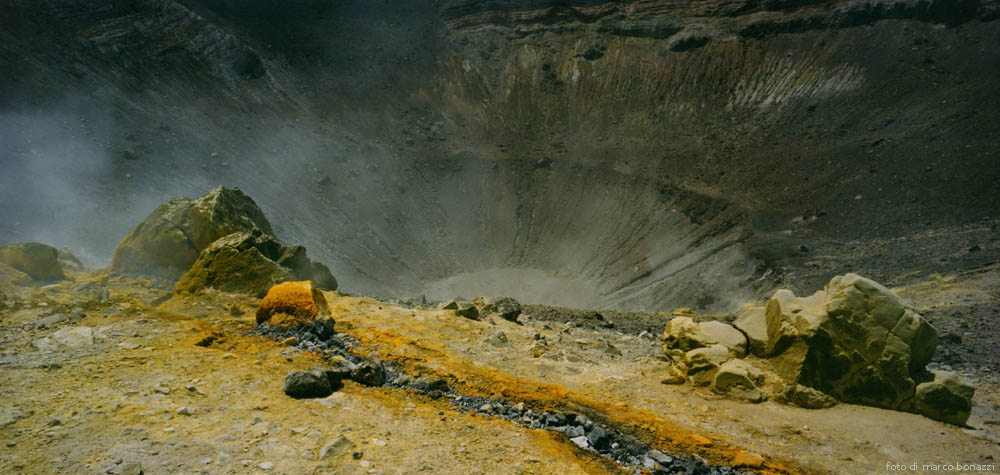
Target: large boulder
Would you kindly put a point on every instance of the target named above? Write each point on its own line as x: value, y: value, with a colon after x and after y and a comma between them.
x: 291, y: 304
x: 856, y: 341
x: 38, y: 261
x: 170, y: 239
x: 682, y: 333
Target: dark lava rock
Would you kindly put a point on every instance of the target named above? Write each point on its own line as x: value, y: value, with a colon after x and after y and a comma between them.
x: 598, y: 438
x: 38, y: 261
x: 506, y: 307
x: 369, y: 373
x: 336, y: 373
x: 467, y: 310
x: 294, y: 258
x: 307, y: 384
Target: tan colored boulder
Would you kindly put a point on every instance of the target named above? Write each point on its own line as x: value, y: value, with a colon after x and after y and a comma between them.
x: 682, y: 333
x: 37, y: 260
x: 739, y: 379
x: 291, y: 304
x: 855, y: 341
x: 702, y: 363
x: 239, y: 262
x: 753, y: 323
x: 172, y: 237
x: 946, y: 398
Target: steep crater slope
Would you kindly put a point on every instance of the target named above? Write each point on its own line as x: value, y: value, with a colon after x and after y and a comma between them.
x: 635, y: 155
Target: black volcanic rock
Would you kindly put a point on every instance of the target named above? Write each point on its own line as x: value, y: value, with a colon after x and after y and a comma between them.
x: 307, y: 384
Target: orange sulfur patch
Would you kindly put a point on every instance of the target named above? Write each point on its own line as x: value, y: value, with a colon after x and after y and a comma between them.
x: 291, y: 304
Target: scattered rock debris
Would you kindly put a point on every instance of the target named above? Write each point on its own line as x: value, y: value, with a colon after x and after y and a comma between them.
x: 580, y: 430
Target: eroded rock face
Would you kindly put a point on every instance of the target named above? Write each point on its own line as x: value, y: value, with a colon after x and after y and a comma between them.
x: 753, y: 323
x: 682, y: 333
x: 239, y: 262
x: 37, y: 260
x: 171, y: 238
x: 295, y: 259
x: 292, y: 304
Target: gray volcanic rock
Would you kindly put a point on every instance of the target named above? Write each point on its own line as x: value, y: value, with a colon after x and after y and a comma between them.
x: 37, y: 260
x: 170, y: 239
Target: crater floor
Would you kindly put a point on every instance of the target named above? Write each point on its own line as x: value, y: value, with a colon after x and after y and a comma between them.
x: 150, y: 390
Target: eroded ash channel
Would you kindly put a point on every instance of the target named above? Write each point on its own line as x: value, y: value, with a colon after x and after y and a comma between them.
x: 607, y: 441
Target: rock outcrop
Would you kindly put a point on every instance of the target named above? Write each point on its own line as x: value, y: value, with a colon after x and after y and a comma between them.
x: 239, y: 262
x: 703, y: 363
x: 504, y: 307
x: 291, y: 304
x: 220, y: 240
x: 855, y: 341
x: 39, y: 261
x: 171, y: 238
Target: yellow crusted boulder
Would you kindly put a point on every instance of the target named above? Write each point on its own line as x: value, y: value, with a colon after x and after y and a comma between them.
x: 291, y: 304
